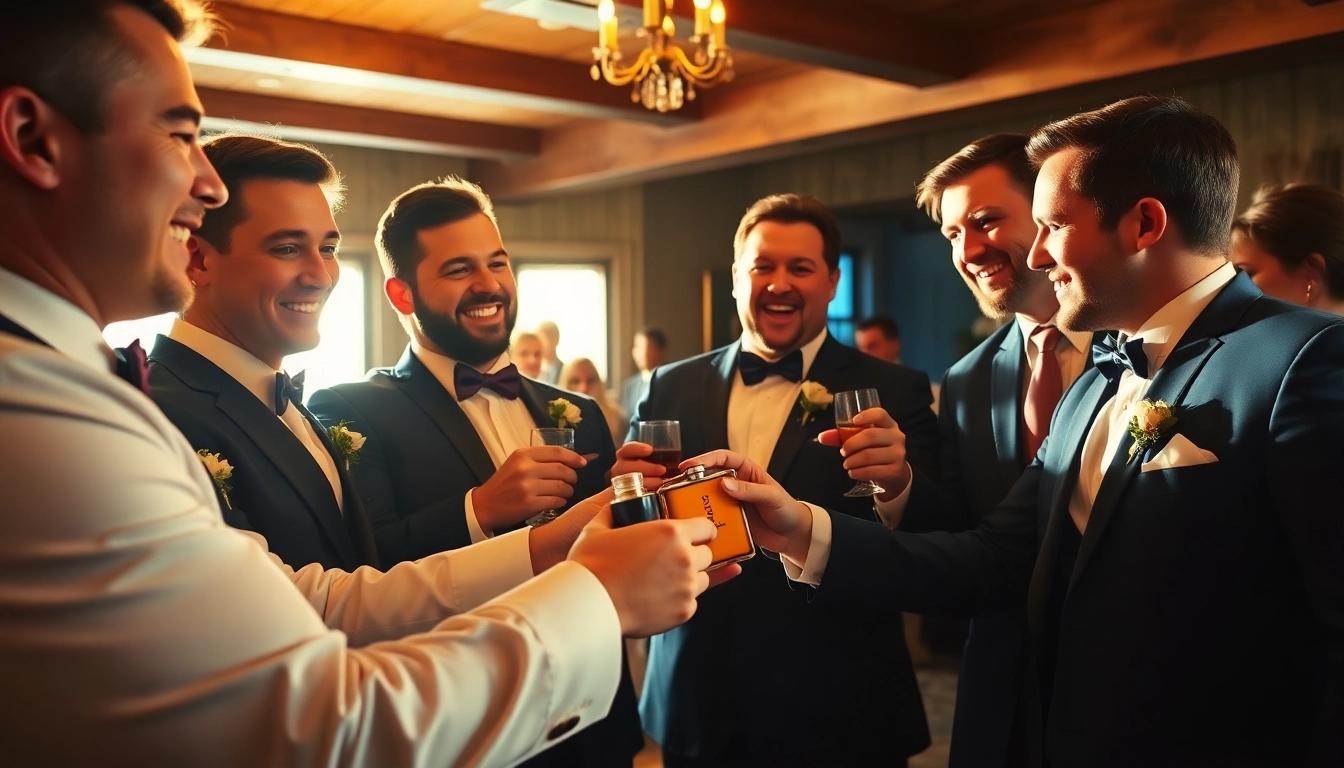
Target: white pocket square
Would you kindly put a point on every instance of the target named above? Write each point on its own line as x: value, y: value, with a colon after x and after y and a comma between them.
x: 1178, y: 452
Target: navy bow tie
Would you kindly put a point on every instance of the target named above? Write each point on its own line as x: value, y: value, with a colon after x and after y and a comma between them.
x: 507, y: 382
x: 754, y: 368
x: 288, y: 390
x: 133, y: 366
x: 1111, y: 358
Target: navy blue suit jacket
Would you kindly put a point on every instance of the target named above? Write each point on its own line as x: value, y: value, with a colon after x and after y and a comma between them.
x: 1202, y: 623
x: 279, y: 491
x: 421, y: 455
x: 760, y: 668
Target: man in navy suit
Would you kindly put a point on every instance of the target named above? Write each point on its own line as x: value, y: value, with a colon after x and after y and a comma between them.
x: 1181, y: 570
x: 996, y: 409
x: 713, y: 695
x: 648, y: 351
x: 263, y: 265
x: 447, y: 459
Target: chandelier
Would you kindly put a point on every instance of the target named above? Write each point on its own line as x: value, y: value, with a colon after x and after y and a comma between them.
x: 664, y: 75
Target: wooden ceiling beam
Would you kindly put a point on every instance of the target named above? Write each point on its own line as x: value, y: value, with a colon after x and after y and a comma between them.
x: 270, y: 43
x: 774, y: 118
x: 316, y: 121
x: 847, y: 35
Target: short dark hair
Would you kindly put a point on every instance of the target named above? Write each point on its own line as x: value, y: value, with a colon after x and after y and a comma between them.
x: 1294, y: 221
x: 240, y: 157
x: 70, y: 52
x: 1152, y: 146
x: 1008, y: 150
x: 655, y: 335
x: 888, y: 326
x: 425, y: 206
x: 793, y: 209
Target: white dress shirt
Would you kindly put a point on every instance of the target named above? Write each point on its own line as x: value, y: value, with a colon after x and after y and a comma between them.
x: 1160, y: 335
x: 503, y: 425
x: 135, y: 623
x: 259, y: 379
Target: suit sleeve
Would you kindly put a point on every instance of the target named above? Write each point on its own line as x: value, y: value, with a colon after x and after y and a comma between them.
x: 400, y: 534
x: 1304, y: 463
x: 922, y: 439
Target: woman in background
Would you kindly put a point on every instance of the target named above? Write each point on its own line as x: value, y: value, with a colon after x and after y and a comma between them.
x: 580, y: 375
x: 1291, y: 243
x: 526, y: 353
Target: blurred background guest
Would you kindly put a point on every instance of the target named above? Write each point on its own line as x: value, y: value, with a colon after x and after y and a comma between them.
x: 580, y: 375
x: 527, y: 353
x: 880, y: 337
x: 1291, y: 243
x: 549, y: 333
x: 649, y: 351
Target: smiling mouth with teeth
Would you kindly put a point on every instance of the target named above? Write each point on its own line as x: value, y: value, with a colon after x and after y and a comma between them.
x: 179, y: 233
x: 482, y: 312
x: 991, y: 270
x: 306, y: 308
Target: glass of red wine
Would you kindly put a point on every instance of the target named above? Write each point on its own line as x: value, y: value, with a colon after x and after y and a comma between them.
x: 847, y: 406
x: 665, y: 439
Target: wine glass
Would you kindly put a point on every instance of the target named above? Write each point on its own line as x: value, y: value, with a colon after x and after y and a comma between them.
x: 562, y: 438
x: 665, y: 439
x: 847, y: 406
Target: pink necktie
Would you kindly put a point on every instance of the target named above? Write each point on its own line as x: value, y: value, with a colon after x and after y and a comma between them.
x: 1044, y: 389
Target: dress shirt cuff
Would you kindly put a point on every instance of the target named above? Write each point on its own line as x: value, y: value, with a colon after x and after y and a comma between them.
x: 474, y: 529
x: 484, y: 571
x: 818, y: 552
x: 890, y: 512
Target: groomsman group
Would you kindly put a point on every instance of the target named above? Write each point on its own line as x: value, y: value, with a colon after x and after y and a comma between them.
x: 1147, y: 591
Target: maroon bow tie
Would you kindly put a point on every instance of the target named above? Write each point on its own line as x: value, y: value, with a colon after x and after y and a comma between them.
x: 508, y: 383
x: 133, y: 366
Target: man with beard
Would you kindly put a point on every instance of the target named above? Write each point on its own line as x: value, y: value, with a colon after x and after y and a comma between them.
x: 263, y: 266
x: 713, y: 694
x: 447, y: 459
x: 996, y: 407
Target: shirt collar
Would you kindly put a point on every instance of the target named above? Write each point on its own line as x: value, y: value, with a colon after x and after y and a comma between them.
x: 1079, y: 340
x: 809, y: 350
x: 67, y: 328
x: 1165, y: 328
x: 442, y: 366
x: 255, y: 376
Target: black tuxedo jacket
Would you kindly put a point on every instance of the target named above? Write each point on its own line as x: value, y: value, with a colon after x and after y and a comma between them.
x: 279, y: 491
x: 980, y: 430
x: 1202, y: 620
x: 761, y: 669
x: 421, y: 456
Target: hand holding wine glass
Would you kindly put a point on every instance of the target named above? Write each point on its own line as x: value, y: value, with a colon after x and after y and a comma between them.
x: 871, y: 442
x: 560, y: 438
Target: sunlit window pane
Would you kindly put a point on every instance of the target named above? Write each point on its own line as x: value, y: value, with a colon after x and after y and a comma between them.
x: 575, y: 298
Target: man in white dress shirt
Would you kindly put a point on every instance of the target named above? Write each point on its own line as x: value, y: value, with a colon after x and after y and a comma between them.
x: 135, y: 626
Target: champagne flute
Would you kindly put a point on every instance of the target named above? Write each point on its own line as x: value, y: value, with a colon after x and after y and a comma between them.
x: 665, y: 439
x: 847, y: 406
x: 562, y: 438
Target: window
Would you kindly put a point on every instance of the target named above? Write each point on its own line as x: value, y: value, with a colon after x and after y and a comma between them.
x: 574, y: 297
x: 840, y: 318
x: 340, y: 357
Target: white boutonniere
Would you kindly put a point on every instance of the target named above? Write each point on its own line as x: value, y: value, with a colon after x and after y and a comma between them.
x: 813, y: 399
x: 347, y: 442
x: 1148, y: 424
x: 566, y: 414
x: 220, y: 471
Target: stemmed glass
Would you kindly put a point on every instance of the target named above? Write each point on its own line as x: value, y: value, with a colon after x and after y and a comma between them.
x: 561, y: 438
x: 847, y: 406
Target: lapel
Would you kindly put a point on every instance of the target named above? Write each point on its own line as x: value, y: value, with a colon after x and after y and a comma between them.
x: 718, y: 384
x: 1005, y: 392
x: 825, y: 370
x: 356, y: 520
x: 426, y: 391
x: 536, y: 404
x: 268, y: 433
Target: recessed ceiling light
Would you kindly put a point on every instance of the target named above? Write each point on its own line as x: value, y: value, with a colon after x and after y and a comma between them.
x: 269, y: 82
x: 551, y: 26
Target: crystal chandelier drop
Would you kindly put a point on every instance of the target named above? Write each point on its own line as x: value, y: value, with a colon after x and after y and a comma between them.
x: 664, y: 76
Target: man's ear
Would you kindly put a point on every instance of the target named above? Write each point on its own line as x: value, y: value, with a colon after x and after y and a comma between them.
x: 198, y: 271
x: 399, y: 296
x: 1149, y: 223
x: 34, y: 137
x: 1315, y: 266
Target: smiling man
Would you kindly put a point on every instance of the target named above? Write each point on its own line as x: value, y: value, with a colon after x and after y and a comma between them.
x: 263, y: 265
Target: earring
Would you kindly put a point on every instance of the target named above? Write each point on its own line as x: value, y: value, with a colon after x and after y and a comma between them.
x: 1308, y: 291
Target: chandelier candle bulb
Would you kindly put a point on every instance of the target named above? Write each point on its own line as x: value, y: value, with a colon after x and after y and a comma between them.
x: 718, y: 16
x: 653, y: 14
x: 701, y: 18
x: 696, y: 493
x: 606, y: 31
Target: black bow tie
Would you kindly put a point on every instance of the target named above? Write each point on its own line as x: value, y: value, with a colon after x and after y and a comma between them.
x: 288, y: 390
x: 507, y: 382
x: 1111, y: 358
x: 754, y: 368
x: 133, y: 366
